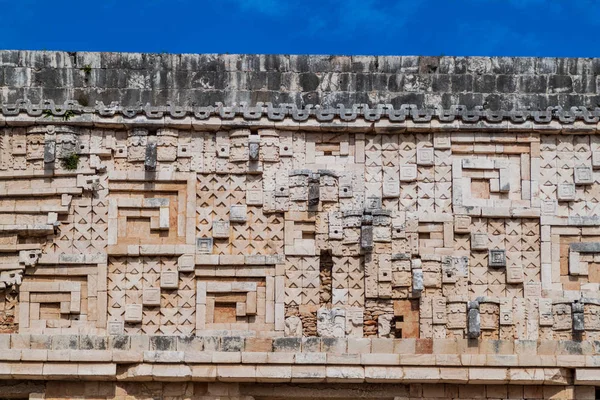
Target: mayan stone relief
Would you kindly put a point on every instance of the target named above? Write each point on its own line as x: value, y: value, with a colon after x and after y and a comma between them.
x: 276, y: 232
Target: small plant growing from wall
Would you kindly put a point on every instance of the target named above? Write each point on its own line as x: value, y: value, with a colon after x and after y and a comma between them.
x: 70, y: 162
x: 67, y: 115
x: 87, y: 69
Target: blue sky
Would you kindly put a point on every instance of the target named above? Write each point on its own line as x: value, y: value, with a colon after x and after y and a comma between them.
x: 350, y: 27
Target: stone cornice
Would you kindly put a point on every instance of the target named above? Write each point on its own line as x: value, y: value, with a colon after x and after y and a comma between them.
x: 383, y: 118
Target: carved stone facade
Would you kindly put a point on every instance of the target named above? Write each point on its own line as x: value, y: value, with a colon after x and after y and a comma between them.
x: 446, y: 254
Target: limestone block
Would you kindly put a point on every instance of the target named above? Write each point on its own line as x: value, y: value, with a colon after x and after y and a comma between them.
x: 115, y: 327
x: 583, y: 175
x: 169, y: 280
x: 238, y: 213
x: 577, y: 313
x: 151, y: 296
x: 133, y: 313
x: 462, y: 224
x: 479, y: 241
x: 425, y: 156
x: 408, y: 173
x: 473, y: 320
x: 596, y: 159
x: 417, y: 281
x: 565, y: 192
x: 497, y: 258
x: 391, y: 189
x: 220, y: 230
x: 254, y: 197
x: 204, y: 245
x: 151, y: 156
x: 186, y: 263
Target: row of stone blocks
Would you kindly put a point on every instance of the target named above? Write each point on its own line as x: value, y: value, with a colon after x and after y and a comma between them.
x: 289, y: 373
x: 297, y: 344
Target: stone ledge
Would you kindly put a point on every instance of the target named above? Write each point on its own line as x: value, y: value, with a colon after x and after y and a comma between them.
x: 293, y: 373
x: 281, y: 358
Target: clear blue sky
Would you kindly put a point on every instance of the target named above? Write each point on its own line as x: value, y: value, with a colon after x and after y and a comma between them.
x: 350, y: 27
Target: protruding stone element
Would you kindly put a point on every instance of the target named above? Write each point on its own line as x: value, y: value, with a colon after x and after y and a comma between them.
x: 331, y: 322
x: 596, y: 159
x: 151, y: 154
x: 425, y: 156
x: 462, y: 224
x: 366, y: 233
x: 204, y: 245
x: 186, y: 263
x: 293, y: 327
x: 169, y: 280
x: 115, y: 327
x: 372, y: 203
x: 151, y: 296
x: 583, y: 175
x: 408, y: 173
x: 10, y: 278
x: 238, y: 213
x: 384, y: 325
x: 220, y: 230
x: 578, y: 316
x: 473, y: 320
x: 497, y: 258
x: 313, y: 191
x: 565, y: 192
x: 133, y: 313
x: 417, y: 282
x: 254, y: 197
x: 254, y: 147
x: 479, y: 241
x: 29, y: 258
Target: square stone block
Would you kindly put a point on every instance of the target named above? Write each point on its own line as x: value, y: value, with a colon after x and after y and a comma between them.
x: 282, y: 190
x: 115, y: 327
x: 223, y: 150
x: 566, y: 192
x: 184, y: 150
x: 425, y: 156
x: 391, y: 189
x: 120, y: 151
x: 238, y: 213
x: 373, y: 203
x: 408, y: 173
x: 204, y: 245
x: 462, y: 224
x: 254, y: 197
x: 497, y: 258
x: 442, y: 141
x: 186, y: 263
x: 133, y: 313
x: 151, y: 297
x: 549, y: 207
x: 479, y: 241
x: 583, y: 175
x: 169, y: 280
x: 345, y: 191
x: 220, y: 229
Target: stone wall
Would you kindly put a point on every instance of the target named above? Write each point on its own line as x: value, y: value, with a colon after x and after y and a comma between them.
x: 498, y: 83
x: 348, y: 251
